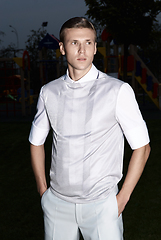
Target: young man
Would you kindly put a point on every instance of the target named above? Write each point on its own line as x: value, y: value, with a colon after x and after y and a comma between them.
x: 89, y: 113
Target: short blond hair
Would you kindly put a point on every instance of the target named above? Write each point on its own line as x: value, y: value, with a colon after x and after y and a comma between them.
x: 76, y: 22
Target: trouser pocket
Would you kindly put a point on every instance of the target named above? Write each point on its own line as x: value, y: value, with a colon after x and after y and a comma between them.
x: 44, y: 197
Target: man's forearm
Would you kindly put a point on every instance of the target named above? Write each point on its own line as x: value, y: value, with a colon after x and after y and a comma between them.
x: 38, y: 165
x: 135, y: 169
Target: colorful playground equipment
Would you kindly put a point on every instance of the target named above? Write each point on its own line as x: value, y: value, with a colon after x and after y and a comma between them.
x: 136, y: 68
x: 15, y: 92
x: 15, y: 83
x: 140, y: 73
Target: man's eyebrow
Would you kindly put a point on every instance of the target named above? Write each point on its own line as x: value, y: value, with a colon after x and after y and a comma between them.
x: 77, y: 40
x: 73, y: 40
x: 88, y: 39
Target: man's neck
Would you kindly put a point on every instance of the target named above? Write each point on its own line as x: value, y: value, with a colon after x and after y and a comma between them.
x: 76, y: 74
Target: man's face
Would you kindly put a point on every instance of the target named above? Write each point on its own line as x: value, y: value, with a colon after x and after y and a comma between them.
x: 79, y: 47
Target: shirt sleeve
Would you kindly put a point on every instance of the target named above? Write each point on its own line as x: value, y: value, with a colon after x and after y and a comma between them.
x: 130, y: 119
x: 40, y: 125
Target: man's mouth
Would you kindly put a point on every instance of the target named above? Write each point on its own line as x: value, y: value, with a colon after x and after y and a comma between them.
x: 81, y: 59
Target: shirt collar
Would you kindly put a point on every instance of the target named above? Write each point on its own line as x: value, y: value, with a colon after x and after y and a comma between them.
x: 91, y: 75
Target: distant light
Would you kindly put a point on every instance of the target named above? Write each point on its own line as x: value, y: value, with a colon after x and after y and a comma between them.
x: 44, y: 24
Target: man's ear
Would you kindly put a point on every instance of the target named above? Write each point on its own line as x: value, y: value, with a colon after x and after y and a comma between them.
x: 62, y: 50
x: 95, y: 48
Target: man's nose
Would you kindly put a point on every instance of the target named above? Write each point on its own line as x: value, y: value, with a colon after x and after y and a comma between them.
x: 81, y: 48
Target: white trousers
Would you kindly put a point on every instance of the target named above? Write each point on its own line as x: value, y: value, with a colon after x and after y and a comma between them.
x: 97, y: 220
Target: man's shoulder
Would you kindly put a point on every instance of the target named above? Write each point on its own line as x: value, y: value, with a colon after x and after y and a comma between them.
x: 110, y: 80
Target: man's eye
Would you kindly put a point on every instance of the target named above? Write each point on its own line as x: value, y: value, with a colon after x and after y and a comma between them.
x: 88, y: 43
x: 74, y: 43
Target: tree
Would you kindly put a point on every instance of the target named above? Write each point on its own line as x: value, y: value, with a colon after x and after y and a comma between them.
x: 1, y: 34
x: 9, y: 51
x: 33, y: 42
x: 128, y: 21
x: 151, y: 54
x: 32, y: 48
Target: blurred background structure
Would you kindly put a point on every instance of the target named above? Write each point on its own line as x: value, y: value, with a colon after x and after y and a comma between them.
x: 129, y: 40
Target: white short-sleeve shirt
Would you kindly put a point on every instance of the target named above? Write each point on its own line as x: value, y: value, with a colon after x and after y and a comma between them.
x: 89, y: 119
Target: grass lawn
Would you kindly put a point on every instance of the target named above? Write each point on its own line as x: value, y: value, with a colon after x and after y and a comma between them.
x: 20, y: 210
